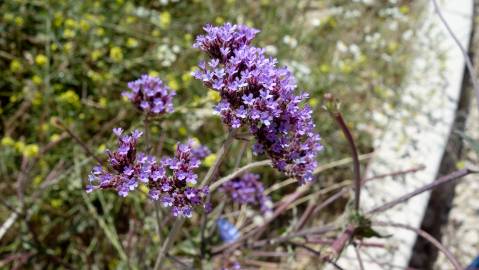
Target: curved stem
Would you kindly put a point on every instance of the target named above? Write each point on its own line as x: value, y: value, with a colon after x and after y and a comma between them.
x: 354, y: 154
x: 467, y: 59
x: 442, y: 180
x: 168, y: 242
x: 77, y: 139
x: 428, y: 237
x: 238, y: 172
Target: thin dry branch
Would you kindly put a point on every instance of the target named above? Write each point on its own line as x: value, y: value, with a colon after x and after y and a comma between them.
x: 468, y: 60
x: 442, y: 180
x: 428, y: 237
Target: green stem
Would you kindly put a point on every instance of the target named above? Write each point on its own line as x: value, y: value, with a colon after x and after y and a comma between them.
x: 354, y: 154
x: 168, y: 242
x: 220, y: 155
x: 146, y: 127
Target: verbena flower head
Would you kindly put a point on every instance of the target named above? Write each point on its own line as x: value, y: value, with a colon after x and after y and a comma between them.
x: 221, y: 42
x: 170, y: 180
x: 121, y: 173
x: 257, y: 94
x: 199, y: 151
x: 173, y: 186
x: 150, y: 95
x: 247, y: 189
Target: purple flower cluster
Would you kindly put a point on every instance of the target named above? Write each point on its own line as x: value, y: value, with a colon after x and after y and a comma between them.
x: 199, y: 151
x: 123, y: 166
x: 175, y: 188
x: 258, y: 94
x: 150, y: 95
x: 170, y: 180
x: 247, y: 189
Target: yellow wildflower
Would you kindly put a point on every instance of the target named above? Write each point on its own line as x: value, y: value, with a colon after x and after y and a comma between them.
x: 70, y: 97
x: 101, y: 148
x: 214, y: 96
x: 7, y: 141
x: 313, y: 102
x: 31, y: 150
x: 55, y: 137
x: 345, y: 67
x: 130, y: 19
x: 41, y: 59
x: 144, y: 189
x: 58, y: 19
x: 19, y: 146
x: 324, y: 68
x: 16, y: 66
x: 392, y: 46
x: 45, y: 127
x: 209, y: 160
x: 56, y: 203
x: 68, y: 47
x: 103, y: 102
x: 68, y: 33
x: 182, y: 131
x: 19, y: 21
x: 404, y: 9
x: 37, y: 180
x: 70, y: 23
x: 188, y: 37
x: 37, y: 80
x: 116, y: 54
x: 155, y: 33
x: 153, y: 73
x: 219, y: 20
x: 131, y: 42
x: 173, y: 84
x: 95, y: 54
x: 84, y: 25
x: 100, y: 31
x: 165, y: 19
x: 13, y: 98
x: 186, y: 78
x: 37, y: 99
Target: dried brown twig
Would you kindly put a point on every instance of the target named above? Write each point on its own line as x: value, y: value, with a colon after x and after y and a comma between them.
x: 428, y: 237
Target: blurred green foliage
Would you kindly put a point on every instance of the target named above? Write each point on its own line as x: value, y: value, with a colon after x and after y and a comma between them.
x: 69, y: 60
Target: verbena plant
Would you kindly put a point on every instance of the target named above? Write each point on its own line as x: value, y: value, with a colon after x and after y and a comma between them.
x: 258, y: 102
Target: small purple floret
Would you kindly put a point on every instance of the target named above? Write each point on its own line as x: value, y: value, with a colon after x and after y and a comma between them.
x: 247, y: 189
x: 150, y: 95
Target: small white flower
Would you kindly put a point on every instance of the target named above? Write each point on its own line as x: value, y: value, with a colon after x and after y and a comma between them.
x: 315, y: 22
x: 341, y: 47
x: 290, y: 41
x: 355, y: 50
x: 271, y: 50
x: 407, y: 35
